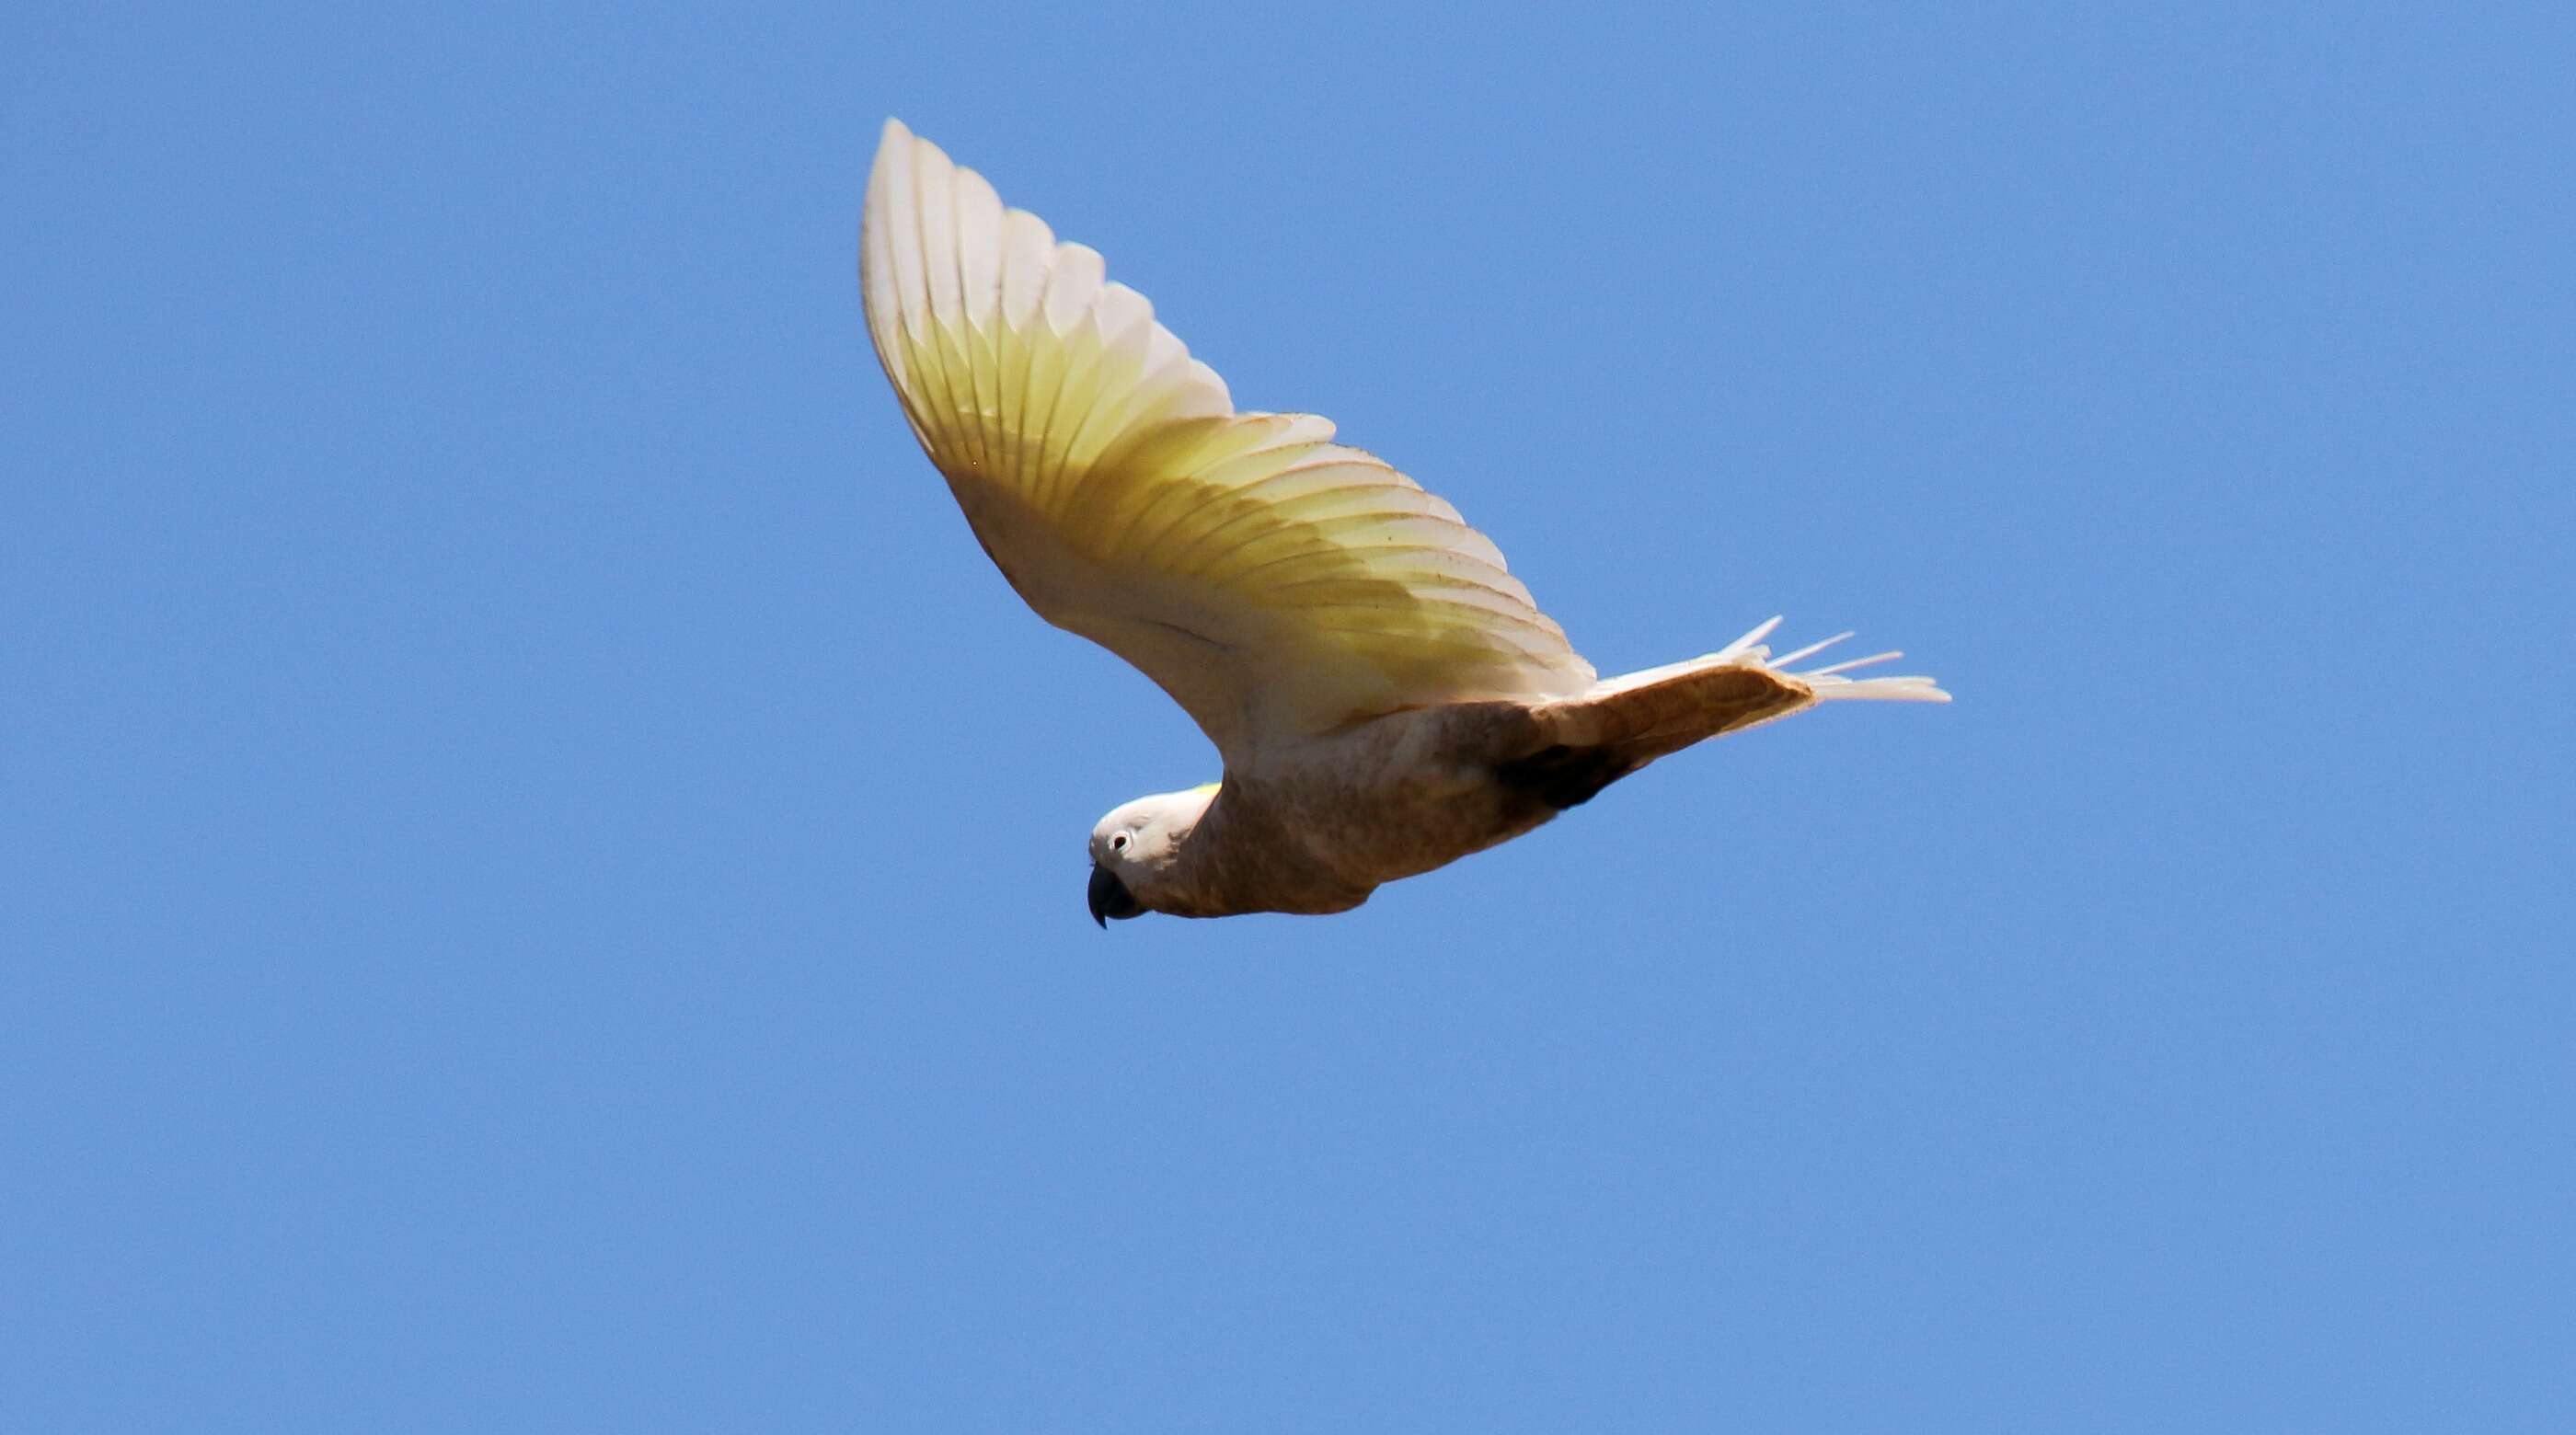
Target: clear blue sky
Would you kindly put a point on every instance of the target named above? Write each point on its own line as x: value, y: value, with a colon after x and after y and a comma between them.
x: 541, y: 872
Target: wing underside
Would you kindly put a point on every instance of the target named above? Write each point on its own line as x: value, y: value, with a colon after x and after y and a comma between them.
x: 1275, y: 583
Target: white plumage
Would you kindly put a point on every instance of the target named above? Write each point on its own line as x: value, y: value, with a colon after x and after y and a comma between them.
x: 1385, y: 695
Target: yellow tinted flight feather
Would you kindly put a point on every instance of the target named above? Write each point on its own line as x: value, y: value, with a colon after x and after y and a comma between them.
x: 1276, y: 584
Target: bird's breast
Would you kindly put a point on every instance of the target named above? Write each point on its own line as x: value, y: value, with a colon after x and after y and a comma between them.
x: 1393, y: 797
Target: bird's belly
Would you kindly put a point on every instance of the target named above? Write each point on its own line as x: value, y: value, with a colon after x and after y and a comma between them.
x: 1408, y: 831
x: 1402, y: 795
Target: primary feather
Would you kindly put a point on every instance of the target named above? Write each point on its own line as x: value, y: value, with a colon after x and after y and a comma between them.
x: 1276, y: 584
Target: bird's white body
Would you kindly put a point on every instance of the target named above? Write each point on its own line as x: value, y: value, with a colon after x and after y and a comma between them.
x: 1317, y: 826
x: 1386, y: 697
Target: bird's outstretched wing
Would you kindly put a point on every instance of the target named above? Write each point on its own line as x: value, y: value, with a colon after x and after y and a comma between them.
x: 1275, y: 583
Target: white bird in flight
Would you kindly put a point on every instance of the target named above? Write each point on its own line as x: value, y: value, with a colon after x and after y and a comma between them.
x: 1385, y: 695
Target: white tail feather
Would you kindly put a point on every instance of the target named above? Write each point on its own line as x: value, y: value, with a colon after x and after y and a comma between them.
x: 1749, y: 643
x: 1828, y: 682
x: 1809, y: 651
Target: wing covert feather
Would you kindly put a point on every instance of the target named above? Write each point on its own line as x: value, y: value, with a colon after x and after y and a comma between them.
x: 1277, y: 584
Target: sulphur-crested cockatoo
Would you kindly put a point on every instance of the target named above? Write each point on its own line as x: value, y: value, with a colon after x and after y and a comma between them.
x: 1385, y: 696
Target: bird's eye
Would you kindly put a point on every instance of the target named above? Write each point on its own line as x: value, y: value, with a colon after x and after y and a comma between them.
x: 1118, y: 843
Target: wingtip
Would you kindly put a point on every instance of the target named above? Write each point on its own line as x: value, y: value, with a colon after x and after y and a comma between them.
x: 896, y: 142
x: 893, y: 141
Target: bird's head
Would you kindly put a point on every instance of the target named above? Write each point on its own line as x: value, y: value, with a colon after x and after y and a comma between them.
x: 1135, y: 848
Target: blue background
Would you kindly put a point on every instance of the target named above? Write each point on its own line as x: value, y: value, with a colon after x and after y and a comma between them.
x: 541, y: 872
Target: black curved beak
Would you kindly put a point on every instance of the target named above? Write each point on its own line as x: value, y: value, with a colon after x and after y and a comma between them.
x: 1110, y: 898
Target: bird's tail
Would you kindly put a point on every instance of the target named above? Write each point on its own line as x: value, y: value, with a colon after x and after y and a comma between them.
x: 1593, y: 739
x: 1827, y: 683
